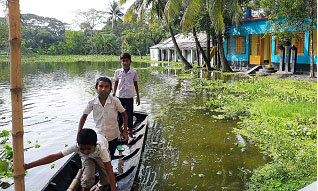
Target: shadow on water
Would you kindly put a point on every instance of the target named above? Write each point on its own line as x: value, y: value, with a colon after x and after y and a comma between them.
x: 186, y: 148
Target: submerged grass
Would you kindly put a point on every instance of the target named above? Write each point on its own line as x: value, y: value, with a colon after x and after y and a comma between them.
x: 280, y: 116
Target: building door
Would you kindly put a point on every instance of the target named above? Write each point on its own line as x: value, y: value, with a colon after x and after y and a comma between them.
x: 260, y: 49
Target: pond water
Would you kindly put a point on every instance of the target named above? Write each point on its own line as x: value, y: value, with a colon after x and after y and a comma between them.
x: 186, y: 148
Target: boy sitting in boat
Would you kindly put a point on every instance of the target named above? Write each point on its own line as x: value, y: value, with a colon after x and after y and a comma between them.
x: 93, y: 150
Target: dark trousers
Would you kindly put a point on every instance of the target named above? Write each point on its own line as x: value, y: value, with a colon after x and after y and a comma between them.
x: 128, y: 104
x: 112, y: 145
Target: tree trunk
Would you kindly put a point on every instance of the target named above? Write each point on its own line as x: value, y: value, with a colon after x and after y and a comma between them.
x: 214, y: 44
x: 92, y: 44
x: 200, y: 48
x: 198, y: 55
x: 186, y: 64
x: 16, y: 94
x: 225, y: 65
x: 218, y: 62
x: 139, y: 53
x: 208, y: 50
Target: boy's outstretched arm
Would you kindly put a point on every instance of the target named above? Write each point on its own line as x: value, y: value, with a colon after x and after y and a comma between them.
x: 44, y: 160
x: 82, y: 122
x: 111, y: 175
x: 115, y: 88
x: 137, y: 93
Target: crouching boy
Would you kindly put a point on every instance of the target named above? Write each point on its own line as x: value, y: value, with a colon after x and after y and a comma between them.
x: 93, y: 150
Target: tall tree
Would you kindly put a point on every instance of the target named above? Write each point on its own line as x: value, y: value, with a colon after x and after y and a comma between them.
x: 157, y: 31
x: 39, y: 33
x: 115, y: 13
x: 157, y: 8
x: 88, y: 21
x: 191, y: 20
x: 106, y: 43
x: 221, y: 13
x: 299, y: 15
x: 48, y: 24
x: 224, y: 13
x: 75, y: 43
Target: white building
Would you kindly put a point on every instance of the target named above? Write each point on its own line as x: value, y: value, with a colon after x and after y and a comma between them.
x: 165, y: 51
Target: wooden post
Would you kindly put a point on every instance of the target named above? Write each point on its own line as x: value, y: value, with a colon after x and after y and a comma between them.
x: 16, y: 94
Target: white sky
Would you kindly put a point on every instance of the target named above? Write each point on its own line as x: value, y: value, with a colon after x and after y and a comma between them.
x: 63, y: 10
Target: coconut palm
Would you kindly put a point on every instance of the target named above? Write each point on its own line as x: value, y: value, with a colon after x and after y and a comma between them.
x: 115, y: 13
x: 191, y: 20
x: 158, y: 9
x: 220, y: 12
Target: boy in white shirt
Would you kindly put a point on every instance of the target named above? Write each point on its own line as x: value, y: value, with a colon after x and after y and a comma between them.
x: 105, y: 110
x: 93, y: 150
x: 125, y: 83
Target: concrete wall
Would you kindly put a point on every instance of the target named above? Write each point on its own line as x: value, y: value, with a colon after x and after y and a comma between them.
x: 154, y: 54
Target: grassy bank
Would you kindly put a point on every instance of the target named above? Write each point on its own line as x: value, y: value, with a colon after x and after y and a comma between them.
x: 73, y: 58
x: 279, y: 116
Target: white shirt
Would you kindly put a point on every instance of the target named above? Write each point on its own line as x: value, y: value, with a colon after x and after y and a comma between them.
x: 101, y: 150
x: 125, y: 88
x: 105, y: 117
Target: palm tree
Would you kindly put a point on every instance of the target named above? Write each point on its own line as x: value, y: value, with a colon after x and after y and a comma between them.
x: 191, y: 21
x: 115, y: 14
x: 158, y: 9
x: 88, y: 21
x: 220, y: 12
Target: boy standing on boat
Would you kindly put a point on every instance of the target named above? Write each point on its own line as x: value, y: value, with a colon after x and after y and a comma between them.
x: 93, y: 150
x: 125, y: 83
x: 105, y: 108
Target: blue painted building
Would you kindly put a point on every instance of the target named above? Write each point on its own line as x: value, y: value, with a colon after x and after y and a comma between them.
x: 247, y: 45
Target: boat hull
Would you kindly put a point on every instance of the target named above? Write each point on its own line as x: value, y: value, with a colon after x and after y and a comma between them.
x: 125, y: 165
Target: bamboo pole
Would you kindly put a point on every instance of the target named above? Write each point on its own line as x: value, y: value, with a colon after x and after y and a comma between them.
x: 75, y: 181
x: 16, y: 94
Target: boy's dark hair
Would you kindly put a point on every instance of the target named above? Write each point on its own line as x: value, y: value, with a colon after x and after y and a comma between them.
x: 87, y: 137
x: 103, y: 79
x: 125, y: 55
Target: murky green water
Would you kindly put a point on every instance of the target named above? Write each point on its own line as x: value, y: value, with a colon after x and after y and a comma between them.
x: 186, y: 149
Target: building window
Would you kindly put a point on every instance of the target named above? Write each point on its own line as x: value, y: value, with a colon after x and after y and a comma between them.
x: 315, y: 44
x: 236, y: 44
x: 299, y: 42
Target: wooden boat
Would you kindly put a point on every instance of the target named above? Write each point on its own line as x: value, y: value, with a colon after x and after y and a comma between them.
x: 125, y: 164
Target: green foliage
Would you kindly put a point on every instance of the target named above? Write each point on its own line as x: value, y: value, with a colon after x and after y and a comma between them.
x: 287, y: 16
x: 135, y: 39
x: 75, y: 43
x: 107, y: 44
x: 39, y: 33
x: 43, y: 35
x: 279, y: 116
x: 6, y: 156
x: 158, y: 31
x: 4, y: 36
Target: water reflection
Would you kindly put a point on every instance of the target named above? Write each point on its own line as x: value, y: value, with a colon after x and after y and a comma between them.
x: 186, y: 149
